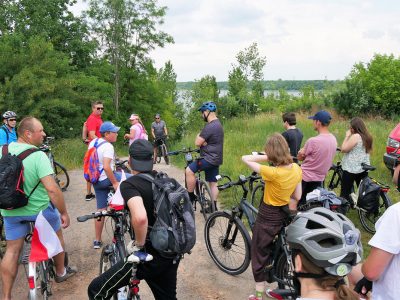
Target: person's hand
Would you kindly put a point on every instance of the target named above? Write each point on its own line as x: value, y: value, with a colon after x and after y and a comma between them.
x: 115, y: 185
x: 363, y: 286
x: 301, y: 155
x: 65, y: 221
x: 348, y: 133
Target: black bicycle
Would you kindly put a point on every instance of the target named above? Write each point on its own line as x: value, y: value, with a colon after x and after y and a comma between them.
x: 228, y: 242
x: 202, y: 190
x: 367, y: 218
x: 162, y: 150
x: 122, y: 166
x: 116, y: 251
x: 60, y: 172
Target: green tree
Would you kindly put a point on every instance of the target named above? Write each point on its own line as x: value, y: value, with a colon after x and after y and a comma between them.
x: 127, y: 32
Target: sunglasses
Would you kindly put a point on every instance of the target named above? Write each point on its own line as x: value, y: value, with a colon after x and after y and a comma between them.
x: 157, y: 118
x: 12, y: 120
x: 100, y: 108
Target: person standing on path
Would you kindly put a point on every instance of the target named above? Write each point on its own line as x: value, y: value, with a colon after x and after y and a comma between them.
x: 211, y: 143
x: 93, y: 124
x: 46, y: 197
x: 159, y: 133
x: 317, y: 154
x: 8, y: 133
x: 292, y: 135
x: 137, y: 130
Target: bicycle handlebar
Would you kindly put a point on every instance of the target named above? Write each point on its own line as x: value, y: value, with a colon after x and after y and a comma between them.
x: 242, y: 180
x: 184, y: 151
x: 100, y: 214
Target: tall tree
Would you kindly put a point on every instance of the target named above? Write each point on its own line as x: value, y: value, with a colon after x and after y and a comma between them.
x: 127, y: 32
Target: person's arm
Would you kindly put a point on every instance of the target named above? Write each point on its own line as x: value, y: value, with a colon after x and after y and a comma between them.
x: 295, y: 197
x: 92, y: 135
x: 57, y: 198
x: 253, y: 161
x: 130, y: 135
x: 109, y: 172
x: 349, y: 142
x: 165, y: 130
x: 152, y: 133
x: 200, y: 141
x: 396, y: 175
x: 376, y: 263
x: 139, y: 219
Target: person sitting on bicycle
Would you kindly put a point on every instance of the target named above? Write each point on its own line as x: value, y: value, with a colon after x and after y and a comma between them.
x: 317, y: 154
x: 357, y: 146
x: 160, y: 273
x: 282, y: 189
x: 8, y: 132
x: 325, y: 246
x: 159, y: 133
x: 47, y: 197
x: 382, y: 264
x: 211, y: 143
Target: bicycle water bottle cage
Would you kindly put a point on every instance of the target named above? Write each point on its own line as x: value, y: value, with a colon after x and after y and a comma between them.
x: 189, y: 157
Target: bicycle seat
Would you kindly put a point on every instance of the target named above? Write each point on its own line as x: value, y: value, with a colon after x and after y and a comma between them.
x: 367, y: 167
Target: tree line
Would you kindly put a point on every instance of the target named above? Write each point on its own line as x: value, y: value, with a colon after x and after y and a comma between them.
x: 53, y: 64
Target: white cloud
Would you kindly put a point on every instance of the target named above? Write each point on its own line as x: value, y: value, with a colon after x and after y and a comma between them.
x: 302, y: 39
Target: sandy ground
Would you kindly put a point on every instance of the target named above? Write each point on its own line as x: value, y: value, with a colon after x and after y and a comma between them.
x: 198, y: 276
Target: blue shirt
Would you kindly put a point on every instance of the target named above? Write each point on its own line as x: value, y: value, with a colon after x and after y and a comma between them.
x: 12, y: 135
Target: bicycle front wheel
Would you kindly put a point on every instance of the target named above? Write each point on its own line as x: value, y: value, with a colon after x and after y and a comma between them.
x: 368, y: 219
x: 228, y: 242
x: 61, y: 176
x: 205, y: 199
x: 164, y: 153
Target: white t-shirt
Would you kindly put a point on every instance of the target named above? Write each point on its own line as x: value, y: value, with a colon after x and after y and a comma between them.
x: 387, y: 238
x: 105, y: 150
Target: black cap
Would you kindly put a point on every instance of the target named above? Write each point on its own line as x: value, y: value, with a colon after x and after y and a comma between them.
x: 141, y: 154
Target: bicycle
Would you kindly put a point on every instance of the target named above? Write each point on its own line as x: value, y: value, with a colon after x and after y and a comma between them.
x: 122, y: 166
x: 161, y: 150
x: 60, y: 172
x: 226, y: 236
x: 116, y: 251
x: 202, y: 189
x: 367, y: 219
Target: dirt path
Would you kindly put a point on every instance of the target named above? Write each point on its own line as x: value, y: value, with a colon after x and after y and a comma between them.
x: 198, y: 276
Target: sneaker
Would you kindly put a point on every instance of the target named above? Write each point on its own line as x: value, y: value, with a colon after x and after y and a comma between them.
x: 89, y: 197
x: 70, y: 271
x: 97, y: 244
x: 253, y: 297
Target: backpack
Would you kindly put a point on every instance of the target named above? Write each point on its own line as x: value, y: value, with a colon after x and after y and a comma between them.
x: 91, y: 169
x: 174, y: 232
x: 12, y: 193
x: 143, y: 135
x: 368, y: 195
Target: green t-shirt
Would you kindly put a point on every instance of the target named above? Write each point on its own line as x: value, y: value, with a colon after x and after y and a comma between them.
x: 36, y: 166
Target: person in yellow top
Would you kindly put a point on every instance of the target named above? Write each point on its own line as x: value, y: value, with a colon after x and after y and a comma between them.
x: 282, y: 191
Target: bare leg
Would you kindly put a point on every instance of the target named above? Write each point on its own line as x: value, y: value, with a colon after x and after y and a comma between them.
x: 59, y: 258
x: 190, y: 180
x: 9, y: 266
x: 214, y: 190
x: 88, y: 188
x: 98, y: 226
x: 155, y: 155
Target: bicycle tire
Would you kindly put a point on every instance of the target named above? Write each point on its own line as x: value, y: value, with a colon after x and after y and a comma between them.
x: 158, y: 159
x: 257, y: 196
x: 107, y: 260
x: 283, y: 272
x: 164, y: 153
x: 205, y: 199
x: 368, y: 219
x: 3, y: 243
x: 61, y: 176
x: 42, y: 289
x: 223, y: 243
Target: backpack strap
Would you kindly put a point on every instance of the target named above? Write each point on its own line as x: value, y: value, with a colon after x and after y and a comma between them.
x: 146, y: 176
x: 22, y: 156
x: 6, y: 131
x: 4, y: 150
x: 96, y: 146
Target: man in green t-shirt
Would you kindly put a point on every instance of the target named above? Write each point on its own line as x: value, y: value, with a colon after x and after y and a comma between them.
x: 47, y: 197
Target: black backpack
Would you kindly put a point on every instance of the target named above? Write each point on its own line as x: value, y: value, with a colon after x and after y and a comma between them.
x: 12, y: 193
x: 174, y: 232
x: 368, y: 195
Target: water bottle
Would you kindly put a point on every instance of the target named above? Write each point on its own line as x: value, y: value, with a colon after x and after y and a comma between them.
x: 122, y: 293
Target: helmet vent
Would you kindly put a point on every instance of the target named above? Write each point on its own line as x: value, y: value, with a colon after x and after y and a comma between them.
x: 314, y: 225
x: 323, y: 214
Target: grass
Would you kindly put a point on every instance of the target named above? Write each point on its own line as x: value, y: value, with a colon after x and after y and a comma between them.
x: 244, y: 135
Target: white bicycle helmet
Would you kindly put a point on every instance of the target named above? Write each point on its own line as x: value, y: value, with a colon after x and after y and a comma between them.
x: 9, y: 114
x: 328, y: 239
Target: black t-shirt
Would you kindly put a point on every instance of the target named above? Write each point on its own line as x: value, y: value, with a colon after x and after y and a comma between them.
x: 294, y: 137
x: 136, y: 186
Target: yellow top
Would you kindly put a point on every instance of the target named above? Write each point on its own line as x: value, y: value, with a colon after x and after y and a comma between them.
x: 280, y: 183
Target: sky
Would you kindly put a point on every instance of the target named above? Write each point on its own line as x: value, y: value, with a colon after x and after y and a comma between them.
x: 301, y: 39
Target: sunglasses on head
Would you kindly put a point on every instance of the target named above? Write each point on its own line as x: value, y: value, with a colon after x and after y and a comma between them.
x: 12, y: 120
x: 100, y: 108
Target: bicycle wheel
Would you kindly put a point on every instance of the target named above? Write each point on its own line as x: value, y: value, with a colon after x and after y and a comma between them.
x: 368, y: 219
x: 61, y: 176
x: 41, y: 279
x: 283, y: 272
x: 257, y: 197
x: 107, y: 260
x: 164, y: 153
x: 158, y: 154
x: 205, y: 199
x: 227, y: 242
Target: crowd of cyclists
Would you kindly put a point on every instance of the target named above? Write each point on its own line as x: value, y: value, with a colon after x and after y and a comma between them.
x: 326, y: 246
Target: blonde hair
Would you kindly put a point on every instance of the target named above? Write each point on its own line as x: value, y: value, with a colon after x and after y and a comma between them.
x: 342, y: 291
x: 277, y: 150
x: 140, y: 121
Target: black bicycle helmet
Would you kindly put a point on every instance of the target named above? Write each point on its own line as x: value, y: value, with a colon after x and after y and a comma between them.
x: 328, y: 239
x: 9, y: 114
x: 208, y: 106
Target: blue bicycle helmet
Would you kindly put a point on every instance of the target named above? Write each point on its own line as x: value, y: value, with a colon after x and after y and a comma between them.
x: 208, y: 106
